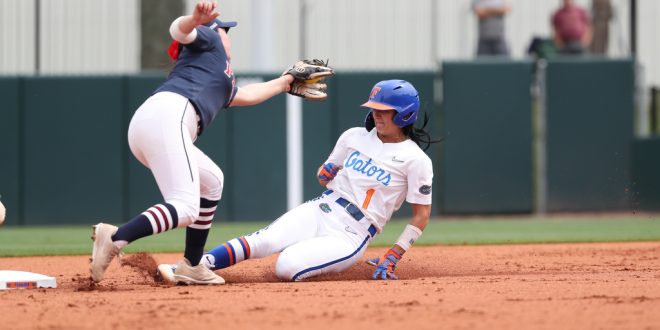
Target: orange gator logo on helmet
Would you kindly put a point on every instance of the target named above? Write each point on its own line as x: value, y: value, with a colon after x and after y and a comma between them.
x: 374, y: 92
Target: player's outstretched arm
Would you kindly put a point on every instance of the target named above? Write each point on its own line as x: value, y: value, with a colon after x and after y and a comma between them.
x: 256, y: 93
x: 386, y: 264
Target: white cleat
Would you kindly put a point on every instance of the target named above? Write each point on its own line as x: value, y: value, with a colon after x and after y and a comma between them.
x: 184, y: 272
x: 166, y: 271
x: 103, y: 251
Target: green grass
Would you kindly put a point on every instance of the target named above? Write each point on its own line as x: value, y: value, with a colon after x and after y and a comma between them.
x: 75, y: 240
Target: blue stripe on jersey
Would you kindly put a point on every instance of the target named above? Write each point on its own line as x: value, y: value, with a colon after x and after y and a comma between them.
x: 302, y: 272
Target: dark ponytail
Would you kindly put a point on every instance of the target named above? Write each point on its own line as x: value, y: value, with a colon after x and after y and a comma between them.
x: 419, y: 135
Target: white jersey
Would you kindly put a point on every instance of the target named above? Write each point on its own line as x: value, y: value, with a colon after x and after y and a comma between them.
x: 320, y: 237
x: 377, y: 176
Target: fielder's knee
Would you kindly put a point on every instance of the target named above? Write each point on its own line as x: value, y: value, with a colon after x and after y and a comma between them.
x: 212, y: 183
x: 186, y: 210
x: 213, y: 194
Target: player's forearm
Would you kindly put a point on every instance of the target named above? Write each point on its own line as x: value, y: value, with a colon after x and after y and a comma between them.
x: 256, y: 93
x: 187, y: 24
x: 183, y: 29
x: 421, y: 216
x: 407, y: 238
x: 414, y: 229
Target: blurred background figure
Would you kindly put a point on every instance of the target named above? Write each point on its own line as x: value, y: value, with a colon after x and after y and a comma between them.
x: 602, y: 14
x: 572, y: 28
x: 491, y: 26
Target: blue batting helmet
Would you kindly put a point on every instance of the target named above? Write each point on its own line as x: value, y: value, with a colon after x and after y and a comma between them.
x: 398, y: 95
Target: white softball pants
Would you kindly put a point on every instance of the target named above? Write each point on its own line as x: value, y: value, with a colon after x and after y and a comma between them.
x: 161, y: 136
x: 317, y: 237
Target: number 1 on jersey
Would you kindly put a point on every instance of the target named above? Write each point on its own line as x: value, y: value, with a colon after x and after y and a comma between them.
x: 367, y: 199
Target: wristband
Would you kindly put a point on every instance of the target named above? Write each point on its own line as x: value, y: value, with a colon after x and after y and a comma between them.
x: 178, y: 35
x: 327, y: 172
x: 408, y: 237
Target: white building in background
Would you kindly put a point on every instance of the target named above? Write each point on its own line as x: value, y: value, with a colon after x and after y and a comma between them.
x: 102, y: 36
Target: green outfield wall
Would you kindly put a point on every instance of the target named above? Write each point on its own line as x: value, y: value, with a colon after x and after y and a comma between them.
x: 73, y: 143
x: 646, y: 175
x: 11, y: 146
x: 66, y: 160
x: 590, y: 112
x: 487, y: 157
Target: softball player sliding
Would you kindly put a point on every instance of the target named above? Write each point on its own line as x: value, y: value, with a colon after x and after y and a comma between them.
x: 369, y: 174
x: 161, y: 136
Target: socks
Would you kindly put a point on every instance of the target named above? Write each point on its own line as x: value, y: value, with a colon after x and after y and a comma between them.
x: 197, y: 233
x: 156, y: 219
x: 195, y: 241
x: 228, y: 254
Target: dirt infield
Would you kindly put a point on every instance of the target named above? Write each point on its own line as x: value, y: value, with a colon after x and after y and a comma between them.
x: 555, y: 286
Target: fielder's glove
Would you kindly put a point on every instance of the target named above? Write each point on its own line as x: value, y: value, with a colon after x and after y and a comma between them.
x: 309, y: 91
x: 385, y: 266
x: 310, y: 71
x: 329, y: 171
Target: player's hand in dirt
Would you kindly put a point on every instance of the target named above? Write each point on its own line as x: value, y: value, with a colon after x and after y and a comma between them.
x: 385, y: 266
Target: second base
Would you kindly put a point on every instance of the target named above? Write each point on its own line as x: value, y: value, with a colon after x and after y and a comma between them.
x: 12, y: 279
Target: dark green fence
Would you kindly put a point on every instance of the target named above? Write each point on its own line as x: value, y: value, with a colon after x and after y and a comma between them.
x: 646, y: 175
x: 65, y: 156
x: 11, y: 147
x: 589, y: 134
x: 487, y: 157
x: 72, y: 152
x: 66, y: 159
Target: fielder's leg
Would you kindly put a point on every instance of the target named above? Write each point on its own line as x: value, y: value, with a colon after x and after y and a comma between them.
x: 161, y: 136
x: 211, y: 184
x: 189, y: 270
